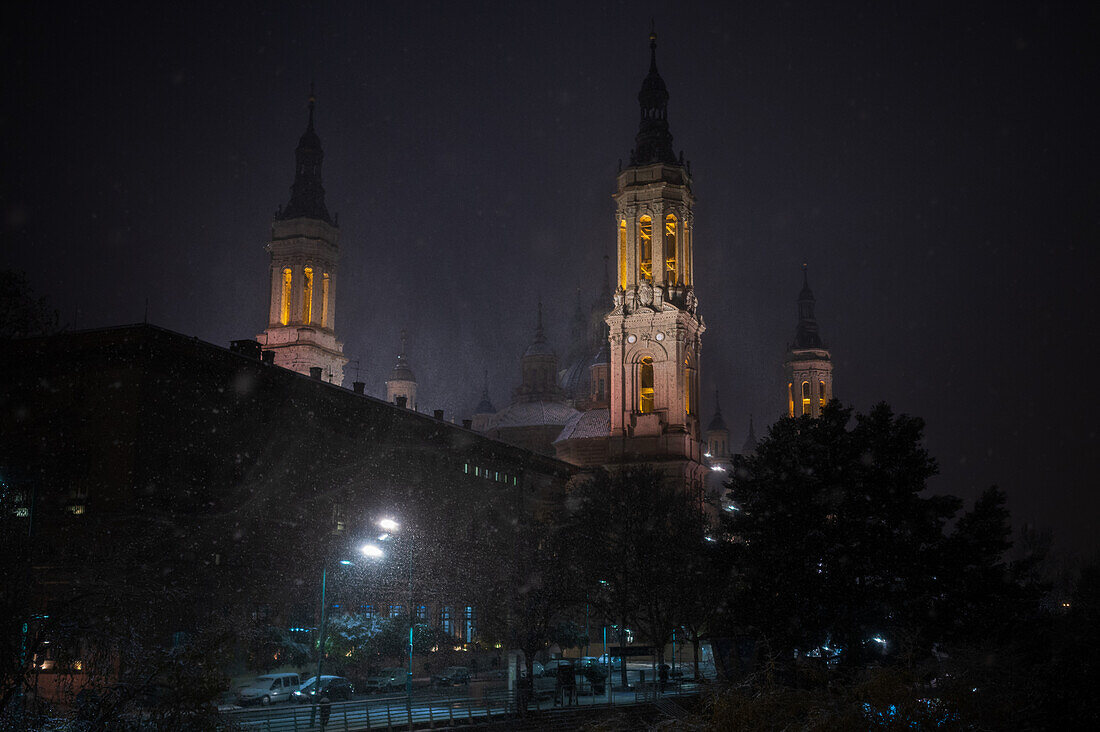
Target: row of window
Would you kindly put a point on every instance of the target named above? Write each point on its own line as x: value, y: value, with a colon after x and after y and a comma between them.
x: 646, y: 254
x: 495, y: 475
x: 807, y: 398
x: 457, y: 621
x: 307, y: 297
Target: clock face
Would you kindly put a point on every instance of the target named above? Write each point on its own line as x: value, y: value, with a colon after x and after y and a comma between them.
x: 660, y: 336
x: 631, y: 338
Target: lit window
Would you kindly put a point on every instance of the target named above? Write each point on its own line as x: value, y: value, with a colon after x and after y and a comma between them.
x: 645, y: 385
x: 645, y: 248
x: 368, y: 611
x: 622, y: 254
x: 687, y: 388
x: 477, y: 471
x: 284, y: 304
x: 422, y: 613
x: 670, y: 249
x: 471, y: 624
x: 324, y: 302
x: 77, y: 509
x: 307, y: 297
x: 821, y: 393
x: 790, y: 399
x: 805, y: 397
x: 466, y: 468
x: 448, y: 620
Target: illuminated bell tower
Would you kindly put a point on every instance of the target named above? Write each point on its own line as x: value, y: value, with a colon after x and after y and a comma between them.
x: 809, y: 366
x: 304, y: 256
x: 654, y: 328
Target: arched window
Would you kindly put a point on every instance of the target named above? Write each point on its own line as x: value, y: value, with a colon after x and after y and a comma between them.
x: 821, y: 393
x: 645, y: 248
x: 284, y: 303
x: 689, y: 382
x: 622, y: 254
x: 805, y: 397
x: 307, y: 297
x: 670, y: 249
x: 790, y: 398
x: 324, y: 301
x: 645, y: 385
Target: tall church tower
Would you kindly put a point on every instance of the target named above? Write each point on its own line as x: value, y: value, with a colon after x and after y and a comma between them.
x: 304, y: 257
x: 809, y: 366
x: 654, y: 328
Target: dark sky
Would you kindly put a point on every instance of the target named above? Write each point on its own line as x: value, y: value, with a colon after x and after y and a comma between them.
x: 935, y: 164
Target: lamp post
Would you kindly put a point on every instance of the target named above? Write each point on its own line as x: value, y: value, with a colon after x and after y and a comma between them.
x: 370, y: 551
x: 392, y: 527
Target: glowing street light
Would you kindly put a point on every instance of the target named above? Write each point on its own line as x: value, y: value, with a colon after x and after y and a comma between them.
x: 372, y: 551
x: 389, y: 524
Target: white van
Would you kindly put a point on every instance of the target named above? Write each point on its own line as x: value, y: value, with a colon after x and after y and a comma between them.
x: 268, y: 689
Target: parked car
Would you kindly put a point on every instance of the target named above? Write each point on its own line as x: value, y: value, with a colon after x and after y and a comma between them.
x: 451, y: 676
x: 616, y: 661
x: 268, y: 689
x: 593, y: 678
x: 387, y: 680
x: 551, y: 667
x: 336, y: 688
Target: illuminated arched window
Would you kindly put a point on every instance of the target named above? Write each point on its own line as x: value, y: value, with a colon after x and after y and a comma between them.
x: 622, y: 254
x: 645, y: 385
x: 689, y: 398
x: 805, y: 397
x: 307, y: 297
x: 821, y: 393
x: 284, y: 303
x: 670, y: 249
x: 645, y: 248
x: 790, y: 398
x: 324, y: 301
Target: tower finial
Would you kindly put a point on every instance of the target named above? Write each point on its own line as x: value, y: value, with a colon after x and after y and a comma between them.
x: 652, y: 46
x: 403, y: 334
x: 717, y: 404
x: 805, y: 275
x: 312, y: 102
x: 539, y: 337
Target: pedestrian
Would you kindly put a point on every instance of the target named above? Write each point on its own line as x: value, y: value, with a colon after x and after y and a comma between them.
x: 326, y: 710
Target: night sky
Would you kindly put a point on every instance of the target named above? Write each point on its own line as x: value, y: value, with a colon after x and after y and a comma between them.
x: 934, y: 164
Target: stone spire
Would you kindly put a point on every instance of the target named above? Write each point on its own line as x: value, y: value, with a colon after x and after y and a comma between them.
x: 749, y: 448
x: 401, y: 385
x: 307, y: 195
x: 806, y: 335
x: 653, y: 144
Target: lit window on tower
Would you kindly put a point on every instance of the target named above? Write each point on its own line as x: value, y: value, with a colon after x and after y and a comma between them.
x: 284, y: 303
x: 622, y: 254
x: 805, y: 397
x: 821, y: 393
x: 645, y: 248
x: 307, y: 297
x: 670, y: 249
x: 790, y: 399
x: 471, y: 624
x: 645, y: 385
x: 324, y: 301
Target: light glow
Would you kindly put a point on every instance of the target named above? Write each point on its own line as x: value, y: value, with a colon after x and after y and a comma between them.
x: 389, y: 524
x: 372, y: 551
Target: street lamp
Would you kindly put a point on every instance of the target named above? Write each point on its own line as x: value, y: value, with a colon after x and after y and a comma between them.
x: 370, y: 551
x: 392, y: 527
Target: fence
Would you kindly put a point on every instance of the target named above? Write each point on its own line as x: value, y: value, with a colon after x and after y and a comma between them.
x: 403, y: 712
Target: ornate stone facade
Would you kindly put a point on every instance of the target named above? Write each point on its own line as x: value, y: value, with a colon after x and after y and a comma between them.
x: 809, y: 365
x: 304, y: 250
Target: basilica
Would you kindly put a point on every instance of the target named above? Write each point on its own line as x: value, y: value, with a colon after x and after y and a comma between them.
x: 626, y: 390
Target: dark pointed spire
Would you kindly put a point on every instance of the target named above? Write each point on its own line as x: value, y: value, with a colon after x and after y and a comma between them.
x: 750, y: 442
x: 485, y: 406
x: 717, y: 423
x: 401, y: 370
x: 653, y: 144
x: 307, y: 195
x: 806, y: 335
x: 539, y: 345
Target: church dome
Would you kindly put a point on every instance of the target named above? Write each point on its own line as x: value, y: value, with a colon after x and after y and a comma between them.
x: 533, y: 414
x: 592, y: 423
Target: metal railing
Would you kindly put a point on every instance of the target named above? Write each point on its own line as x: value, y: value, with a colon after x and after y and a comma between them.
x: 426, y: 711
